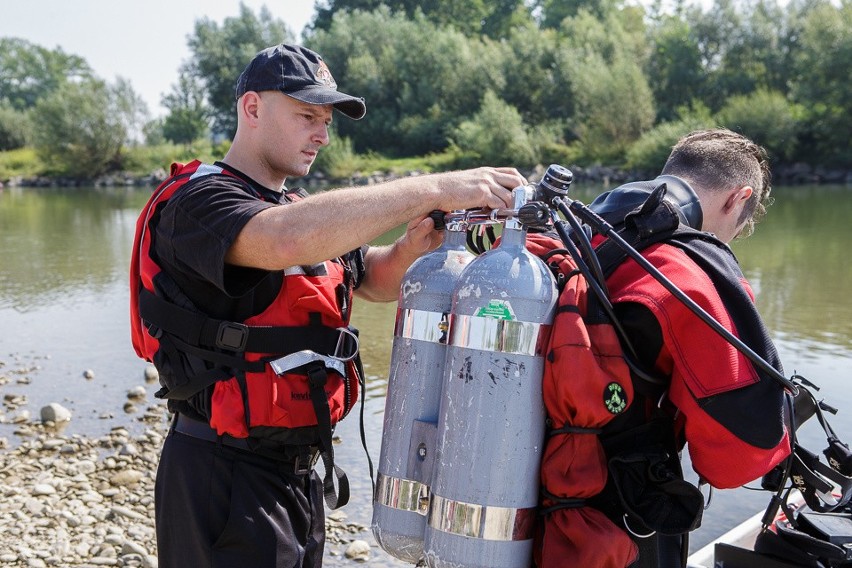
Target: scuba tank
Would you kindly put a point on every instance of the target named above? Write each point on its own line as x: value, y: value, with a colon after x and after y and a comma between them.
x: 401, y: 499
x: 485, y: 483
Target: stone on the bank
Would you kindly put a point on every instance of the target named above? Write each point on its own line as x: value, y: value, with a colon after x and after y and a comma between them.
x: 43, y: 489
x: 136, y: 393
x: 56, y: 413
x: 358, y: 550
x: 126, y: 477
x: 128, y: 449
x: 21, y: 417
x: 89, y: 374
x: 337, y: 516
x: 151, y: 374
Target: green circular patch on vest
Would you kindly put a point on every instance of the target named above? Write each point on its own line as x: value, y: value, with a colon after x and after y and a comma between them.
x: 615, y: 399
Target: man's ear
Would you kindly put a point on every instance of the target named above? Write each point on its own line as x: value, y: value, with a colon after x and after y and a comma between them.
x: 739, y: 195
x: 247, y: 106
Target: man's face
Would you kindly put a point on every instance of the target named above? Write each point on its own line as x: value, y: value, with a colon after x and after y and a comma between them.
x: 293, y: 132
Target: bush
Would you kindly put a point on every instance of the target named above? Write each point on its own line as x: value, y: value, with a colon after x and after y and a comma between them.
x: 143, y: 160
x: 767, y: 118
x: 22, y: 162
x: 78, y: 130
x: 14, y: 128
x: 496, y: 135
x: 650, y: 152
x: 337, y: 160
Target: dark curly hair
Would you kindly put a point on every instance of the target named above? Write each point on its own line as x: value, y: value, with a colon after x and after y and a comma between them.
x: 720, y: 159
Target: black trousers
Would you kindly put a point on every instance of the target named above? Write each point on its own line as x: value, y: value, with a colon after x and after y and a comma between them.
x: 221, y: 507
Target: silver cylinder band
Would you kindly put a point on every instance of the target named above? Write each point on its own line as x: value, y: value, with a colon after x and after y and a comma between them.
x: 403, y: 494
x: 421, y: 325
x: 499, y: 335
x: 480, y: 521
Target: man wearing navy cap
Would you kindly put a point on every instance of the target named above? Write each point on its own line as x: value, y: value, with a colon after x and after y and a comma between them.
x: 240, y: 295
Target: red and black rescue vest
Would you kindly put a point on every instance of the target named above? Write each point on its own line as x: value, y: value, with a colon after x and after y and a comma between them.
x: 193, y: 351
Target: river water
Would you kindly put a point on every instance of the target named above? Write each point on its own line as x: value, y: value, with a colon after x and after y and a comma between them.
x: 64, y: 310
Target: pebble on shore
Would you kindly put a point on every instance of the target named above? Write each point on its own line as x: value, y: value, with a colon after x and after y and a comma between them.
x: 75, y: 501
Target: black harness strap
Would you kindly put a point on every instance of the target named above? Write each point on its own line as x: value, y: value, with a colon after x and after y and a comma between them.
x: 195, y: 328
x: 334, y: 498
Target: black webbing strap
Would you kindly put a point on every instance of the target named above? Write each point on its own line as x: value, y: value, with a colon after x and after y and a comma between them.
x: 334, y: 497
x: 817, y: 481
x: 560, y: 502
x: 567, y: 429
x: 195, y: 328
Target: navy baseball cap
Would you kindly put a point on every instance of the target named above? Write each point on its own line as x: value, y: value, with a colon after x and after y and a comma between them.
x: 299, y: 73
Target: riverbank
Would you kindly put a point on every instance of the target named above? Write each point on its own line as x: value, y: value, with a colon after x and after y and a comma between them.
x: 81, y: 501
x: 782, y: 174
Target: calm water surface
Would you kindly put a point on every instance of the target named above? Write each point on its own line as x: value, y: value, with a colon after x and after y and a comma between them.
x: 63, y: 309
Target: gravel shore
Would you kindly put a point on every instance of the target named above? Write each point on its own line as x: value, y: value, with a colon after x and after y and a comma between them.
x: 80, y: 501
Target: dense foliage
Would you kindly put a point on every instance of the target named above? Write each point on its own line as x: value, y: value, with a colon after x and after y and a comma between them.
x: 476, y: 81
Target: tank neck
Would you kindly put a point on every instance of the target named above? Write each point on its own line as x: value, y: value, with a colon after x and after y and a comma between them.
x: 454, y: 239
x: 513, y: 238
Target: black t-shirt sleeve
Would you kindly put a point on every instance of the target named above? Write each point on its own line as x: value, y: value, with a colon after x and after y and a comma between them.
x: 199, y: 225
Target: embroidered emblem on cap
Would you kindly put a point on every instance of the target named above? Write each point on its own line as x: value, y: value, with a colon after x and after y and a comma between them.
x: 324, y: 76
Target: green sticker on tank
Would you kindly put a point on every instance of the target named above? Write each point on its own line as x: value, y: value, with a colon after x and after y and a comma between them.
x: 497, y: 309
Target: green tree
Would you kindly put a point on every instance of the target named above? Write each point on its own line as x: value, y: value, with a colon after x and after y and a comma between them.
x: 650, y: 152
x: 130, y: 109
x: 415, y: 96
x: 823, y: 66
x: 767, y: 118
x: 496, y: 135
x: 79, y: 130
x: 753, y: 55
x: 29, y: 72
x: 220, y: 53
x: 494, y: 18
x: 14, y: 127
x: 675, y: 72
x: 529, y: 87
x: 187, y: 117
x: 599, y: 66
x: 553, y: 12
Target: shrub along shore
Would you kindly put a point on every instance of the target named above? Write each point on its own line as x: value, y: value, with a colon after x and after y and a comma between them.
x: 782, y: 174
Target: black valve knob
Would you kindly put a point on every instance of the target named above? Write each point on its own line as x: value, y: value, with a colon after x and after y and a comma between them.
x: 555, y: 183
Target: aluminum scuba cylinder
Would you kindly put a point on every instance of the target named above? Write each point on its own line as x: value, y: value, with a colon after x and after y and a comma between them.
x: 491, y: 426
x: 414, y: 392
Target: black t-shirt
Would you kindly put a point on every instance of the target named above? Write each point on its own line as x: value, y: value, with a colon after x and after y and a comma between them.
x: 192, y: 235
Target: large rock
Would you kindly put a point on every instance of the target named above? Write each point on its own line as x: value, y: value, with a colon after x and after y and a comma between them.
x: 56, y: 413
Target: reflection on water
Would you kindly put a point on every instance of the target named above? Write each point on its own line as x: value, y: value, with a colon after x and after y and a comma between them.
x: 63, y: 309
x: 59, y: 242
x: 798, y: 263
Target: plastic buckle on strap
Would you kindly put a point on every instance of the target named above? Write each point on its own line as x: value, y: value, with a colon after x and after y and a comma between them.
x: 300, y: 467
x: 305, y: 462
x: 232, y: 336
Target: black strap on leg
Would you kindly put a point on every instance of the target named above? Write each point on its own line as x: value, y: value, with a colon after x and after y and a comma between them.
x: 241, y: 380
x: 359, y: 371
x: 334, y: 497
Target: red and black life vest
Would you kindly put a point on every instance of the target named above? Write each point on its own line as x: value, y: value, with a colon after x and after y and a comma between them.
x: 607, y: 430
x: 193, y: 351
